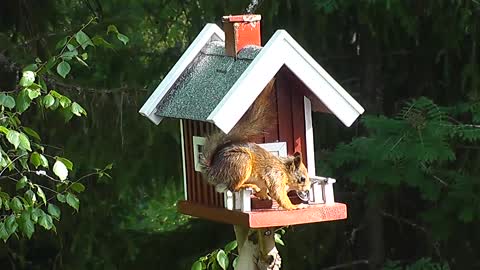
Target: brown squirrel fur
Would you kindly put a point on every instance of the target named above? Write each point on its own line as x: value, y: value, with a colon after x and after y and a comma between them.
x: 232, y: 161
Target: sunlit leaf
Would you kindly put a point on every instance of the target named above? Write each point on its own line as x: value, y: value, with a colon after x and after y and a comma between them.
x: 60, y: 170
x: 24, y: 142
x: 48, y: 101
x: 77, y: 109
x: 28, y: 77
x: 41, y: 194
x: 65, y: 161
x: 222, y: 259
x: 123, y: 38
x: 14, y: 138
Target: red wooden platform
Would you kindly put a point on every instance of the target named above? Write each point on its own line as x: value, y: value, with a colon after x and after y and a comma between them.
x: 266, y: 218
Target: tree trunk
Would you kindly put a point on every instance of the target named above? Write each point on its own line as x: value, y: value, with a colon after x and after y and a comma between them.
x: 256, y: 249
x: 372, y: 89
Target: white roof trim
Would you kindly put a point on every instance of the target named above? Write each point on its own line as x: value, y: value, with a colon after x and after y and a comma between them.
x: 281, y: 50
x: 209, y: 32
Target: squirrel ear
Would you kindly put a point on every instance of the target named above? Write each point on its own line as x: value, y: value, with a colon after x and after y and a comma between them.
x: 297, y: 159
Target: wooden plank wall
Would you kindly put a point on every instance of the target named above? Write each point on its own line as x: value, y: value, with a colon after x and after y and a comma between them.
x: 197, y: 189
x: 291, y: 115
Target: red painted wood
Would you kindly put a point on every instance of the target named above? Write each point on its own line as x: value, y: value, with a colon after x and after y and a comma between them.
x: 284, y: 107
x: 266, y: 218
x: 241, y: 31
x: 272, y: 132
x: 298, y: 123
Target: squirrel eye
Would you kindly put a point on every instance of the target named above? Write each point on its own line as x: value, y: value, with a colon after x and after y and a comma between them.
x: 302, y: 179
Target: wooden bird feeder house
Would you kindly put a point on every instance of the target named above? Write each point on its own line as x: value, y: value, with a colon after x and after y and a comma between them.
x: 211, y: 87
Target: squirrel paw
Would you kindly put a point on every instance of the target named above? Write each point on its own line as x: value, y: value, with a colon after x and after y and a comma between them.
x: 302, y: 206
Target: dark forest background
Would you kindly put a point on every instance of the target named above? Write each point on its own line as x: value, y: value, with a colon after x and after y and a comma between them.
x: 408, y: 169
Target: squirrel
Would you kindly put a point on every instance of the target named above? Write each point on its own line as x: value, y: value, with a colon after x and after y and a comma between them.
x: 233, y: 162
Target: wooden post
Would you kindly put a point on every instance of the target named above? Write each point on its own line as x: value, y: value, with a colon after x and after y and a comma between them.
x: 256, y: 249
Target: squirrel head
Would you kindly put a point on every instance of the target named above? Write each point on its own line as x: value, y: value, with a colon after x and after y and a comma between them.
x: 299, y: 180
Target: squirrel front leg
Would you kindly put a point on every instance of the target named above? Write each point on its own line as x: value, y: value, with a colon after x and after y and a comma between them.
x: 279, y: 193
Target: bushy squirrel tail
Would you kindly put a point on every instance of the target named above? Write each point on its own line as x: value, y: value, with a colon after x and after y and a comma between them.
x: 251, y: 126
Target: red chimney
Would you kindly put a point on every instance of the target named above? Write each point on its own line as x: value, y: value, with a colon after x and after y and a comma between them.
x: 241, y: 31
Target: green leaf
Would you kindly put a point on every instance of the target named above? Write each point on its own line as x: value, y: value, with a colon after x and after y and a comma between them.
x: 54, y: 211
x: 7, y: 101
x: 41, y: 194
x: 21, y: 183
x: 99, y: 41
x: 81, y: 61
x: 61, y: 198
x: 64, y: 101
x: 23, y: 101
x: 48, y: 101
x: 112, y: 28
x: 84, y: 56
x: 26, y: 224
x: 24, y: 142
x: 30, y: 197
x: 14, y: 138
x: 11, y: 224
x: 231, y: 246
x: 61, y: 43
x: 73, y: 201
x: 235, y: 262
x: 65, y: 161
x: 28, y: 77
x: 43, y: 85
x: 46, y: 221
x: 278, y: 239
x: 222, y: 259
x: 69, y: 55
x: 71, y: 47
x: 16, y: 205
x: 36, y: 214
x: 60, y: 170
x: 78, y: 110
x: 31, y: 133
x: 198, y: 265
x: 63, y: 69
x: 37, y: 159
x: 31, y: 67
x: 4, y: 130
x: 3, y: 232
x: 122, y: 38
x: 83, y: 39
x: 77, y: 187
x: 33, y: 94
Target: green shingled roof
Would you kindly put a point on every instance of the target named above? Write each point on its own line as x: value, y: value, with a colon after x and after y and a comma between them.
x: 205, y: 82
